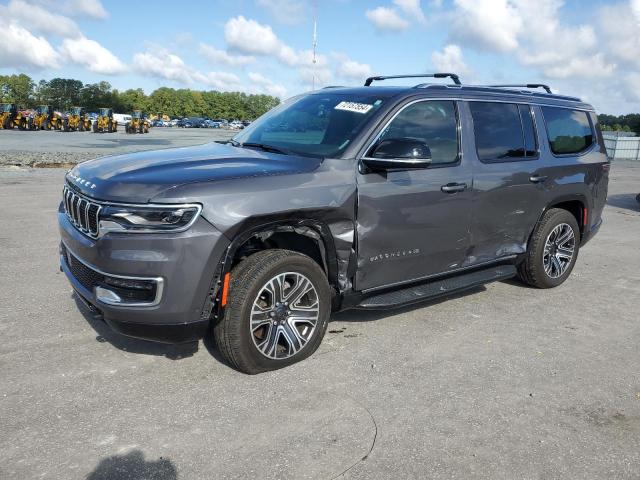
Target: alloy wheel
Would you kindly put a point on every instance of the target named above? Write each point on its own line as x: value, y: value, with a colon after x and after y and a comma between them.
x: 284, y: 315
x: 559, y: 249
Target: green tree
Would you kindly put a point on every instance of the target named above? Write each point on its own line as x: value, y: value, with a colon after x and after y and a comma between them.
x: 17, y: 89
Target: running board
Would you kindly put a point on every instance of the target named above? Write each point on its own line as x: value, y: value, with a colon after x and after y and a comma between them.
x: 437, y: 288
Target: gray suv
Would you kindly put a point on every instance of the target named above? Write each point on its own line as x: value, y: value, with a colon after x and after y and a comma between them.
x: 371, y: 197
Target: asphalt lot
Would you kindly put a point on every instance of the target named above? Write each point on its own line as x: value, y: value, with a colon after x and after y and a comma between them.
x: 503, y: 382
x: 108, y: 143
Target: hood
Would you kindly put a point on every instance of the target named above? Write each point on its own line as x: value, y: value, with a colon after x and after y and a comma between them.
x: 138, y: 177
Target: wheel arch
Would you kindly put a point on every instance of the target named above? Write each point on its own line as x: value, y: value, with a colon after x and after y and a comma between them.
x: 576, y: 204
x: 307, y: 236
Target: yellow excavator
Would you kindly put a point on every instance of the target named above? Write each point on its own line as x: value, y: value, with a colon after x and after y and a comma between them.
x: 77, y: 121
x: 10, y: 117
x: 138, y: 123
x: 105, y: 121
x: 44, y: 118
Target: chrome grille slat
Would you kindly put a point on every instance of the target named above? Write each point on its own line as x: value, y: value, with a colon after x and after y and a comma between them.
x: 81, y: 211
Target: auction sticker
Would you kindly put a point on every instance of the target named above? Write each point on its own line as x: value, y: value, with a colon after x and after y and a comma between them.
x: 353, y: 107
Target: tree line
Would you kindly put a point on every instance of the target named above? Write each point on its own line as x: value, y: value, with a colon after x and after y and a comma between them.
x: 622, y: 123
x: 64, y: 93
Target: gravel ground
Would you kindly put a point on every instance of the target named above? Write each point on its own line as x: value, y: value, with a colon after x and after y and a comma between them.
x: 503, y: 382
x: 64, y: 149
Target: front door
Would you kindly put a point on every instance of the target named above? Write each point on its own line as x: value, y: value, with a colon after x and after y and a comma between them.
x: 412, y: 224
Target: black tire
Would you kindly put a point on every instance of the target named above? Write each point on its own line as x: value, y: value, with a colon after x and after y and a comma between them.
x: 531, y: 271
x: 110, y: 127
x: 65, y: 125
x: 233, y: 335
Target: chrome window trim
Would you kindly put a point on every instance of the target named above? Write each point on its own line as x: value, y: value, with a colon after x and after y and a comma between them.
x: 158, y: 280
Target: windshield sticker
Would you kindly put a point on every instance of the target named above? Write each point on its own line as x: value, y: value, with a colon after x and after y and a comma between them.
x: 353, y: 107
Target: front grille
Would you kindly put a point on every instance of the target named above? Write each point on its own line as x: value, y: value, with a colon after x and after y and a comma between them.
x: 87, y: 277
x: 82, y: 212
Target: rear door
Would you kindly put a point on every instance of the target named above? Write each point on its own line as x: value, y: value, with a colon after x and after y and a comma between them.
x: 509, y: 187
x: 412, y: 224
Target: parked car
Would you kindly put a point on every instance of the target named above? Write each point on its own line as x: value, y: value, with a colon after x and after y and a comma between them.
x: 236, y: 125
x: 394, y: 195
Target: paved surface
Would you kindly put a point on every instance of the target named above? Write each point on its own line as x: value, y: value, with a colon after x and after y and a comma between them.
x: 44, y: 148
x: 504, y: 382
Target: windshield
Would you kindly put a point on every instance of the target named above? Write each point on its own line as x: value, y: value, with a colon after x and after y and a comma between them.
x: 76, y: 110
x: 137, y: 114
x: 104, y: 112
x: 320, y: 124
x: 5, y: 107
x: 42, y: 109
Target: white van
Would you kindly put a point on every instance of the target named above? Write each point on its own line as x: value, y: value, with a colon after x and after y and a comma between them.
x: 122, y: 118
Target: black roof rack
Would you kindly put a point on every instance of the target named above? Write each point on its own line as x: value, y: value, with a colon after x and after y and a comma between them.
x: 528, y: 85
x: 453, y: 77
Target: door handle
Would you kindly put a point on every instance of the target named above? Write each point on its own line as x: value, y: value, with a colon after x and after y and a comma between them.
x: 453, y: 187
x: 537, y: 178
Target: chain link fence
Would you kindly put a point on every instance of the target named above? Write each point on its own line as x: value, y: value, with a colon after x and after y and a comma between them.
x: 622, y: 145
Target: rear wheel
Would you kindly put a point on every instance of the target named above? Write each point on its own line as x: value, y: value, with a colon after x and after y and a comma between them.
x: 553, y: 250
x: 277, y: 312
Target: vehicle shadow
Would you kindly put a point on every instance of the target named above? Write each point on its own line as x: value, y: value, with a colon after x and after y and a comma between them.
x: 129, y: 344
x: 628, y: 201
x: 356, y: 316
x: 133, y: 466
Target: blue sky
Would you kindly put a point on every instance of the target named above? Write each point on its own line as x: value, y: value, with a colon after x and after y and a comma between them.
x: 586, y: 48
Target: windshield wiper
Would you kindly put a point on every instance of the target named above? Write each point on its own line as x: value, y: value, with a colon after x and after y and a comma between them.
x: 265, y: 147
x: 229, y: 142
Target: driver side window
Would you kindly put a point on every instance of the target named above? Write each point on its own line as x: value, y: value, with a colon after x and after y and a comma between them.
x: 433, y: 122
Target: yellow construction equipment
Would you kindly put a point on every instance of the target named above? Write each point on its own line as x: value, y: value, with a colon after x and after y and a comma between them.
x: 10, y: 117
x: 138, y: 123
x: 105, y: 121
x: 77, y: 121
x: 44, y: 118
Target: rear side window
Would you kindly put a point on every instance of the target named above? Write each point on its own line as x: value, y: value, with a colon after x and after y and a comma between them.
x: 503, y: 131
x: 569, y: 131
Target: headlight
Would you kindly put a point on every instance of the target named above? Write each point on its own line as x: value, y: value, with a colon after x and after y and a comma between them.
x: 148, y: 219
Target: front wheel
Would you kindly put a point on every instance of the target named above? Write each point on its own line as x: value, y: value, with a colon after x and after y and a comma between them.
x: 277, y: 311
x: 553, y: 250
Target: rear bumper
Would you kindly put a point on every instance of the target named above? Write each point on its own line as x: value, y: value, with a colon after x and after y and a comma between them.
x: 183, y: 264
x: 591, y: 233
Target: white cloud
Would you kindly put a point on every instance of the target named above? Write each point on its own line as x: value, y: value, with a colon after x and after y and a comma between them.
x: 163, y: 64
x: 412, y: 8
x: 288, y: 12
x: 620, y: 25
x: 265, y: 85
x: 386, y: 19
x: 215, y: 56
x: 21, y: 49
x: 352, y: 70
x: 89, y: 8
x: 92, y: 55
x: 249, y: 36
x: 223, y: 81
x: 450, y: 60
x: 36, y: 18
x: 487, y: 24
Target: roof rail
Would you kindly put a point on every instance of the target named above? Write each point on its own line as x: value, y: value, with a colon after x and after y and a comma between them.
x: 453, y: 77
x: 528, y: 85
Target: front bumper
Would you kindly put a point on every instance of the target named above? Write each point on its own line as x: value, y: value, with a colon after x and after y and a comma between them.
x: 183, y: 267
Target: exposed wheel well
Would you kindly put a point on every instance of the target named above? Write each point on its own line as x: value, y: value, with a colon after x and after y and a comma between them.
x: 575, y: 208
x: 305, y: 241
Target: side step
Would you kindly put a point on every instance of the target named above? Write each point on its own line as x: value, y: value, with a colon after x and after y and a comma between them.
x: 437, y: 288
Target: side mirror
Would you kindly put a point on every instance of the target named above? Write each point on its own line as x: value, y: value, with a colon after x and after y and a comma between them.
x: 399, y: 154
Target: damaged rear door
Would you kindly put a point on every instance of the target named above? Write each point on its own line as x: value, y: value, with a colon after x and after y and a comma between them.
x: 414, y: 223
